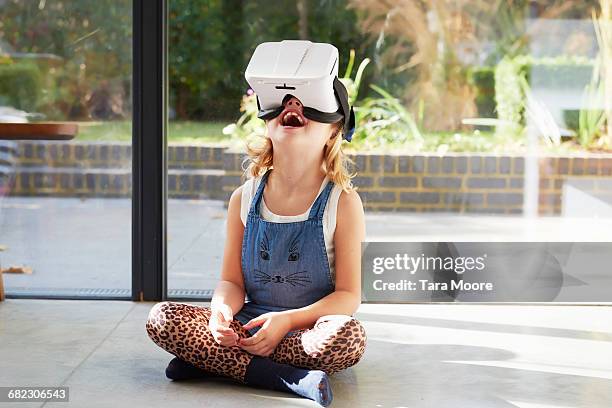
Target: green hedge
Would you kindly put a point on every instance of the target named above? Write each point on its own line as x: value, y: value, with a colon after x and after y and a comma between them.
x: 20, y: 85
x: 559, y: 72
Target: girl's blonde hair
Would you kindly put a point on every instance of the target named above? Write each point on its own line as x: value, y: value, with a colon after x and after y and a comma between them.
x: 335, y: 161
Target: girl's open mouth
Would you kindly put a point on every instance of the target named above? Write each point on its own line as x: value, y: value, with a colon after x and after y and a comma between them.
x: 292, y: 118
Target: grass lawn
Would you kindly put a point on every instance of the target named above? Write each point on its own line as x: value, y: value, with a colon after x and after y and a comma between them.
x: 181, y: 132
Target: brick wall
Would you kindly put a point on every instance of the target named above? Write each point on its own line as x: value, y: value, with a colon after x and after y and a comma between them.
x: 112, y: 154
x: 591, y: 174
x: 459, y: 183
x: 104, y: 169
x: 466, y: 183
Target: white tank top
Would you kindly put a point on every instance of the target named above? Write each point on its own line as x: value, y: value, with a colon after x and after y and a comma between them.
x: 249, y: 188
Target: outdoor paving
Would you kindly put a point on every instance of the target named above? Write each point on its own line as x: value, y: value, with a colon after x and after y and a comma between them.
x: 74, y: 243
x: 435, y: 355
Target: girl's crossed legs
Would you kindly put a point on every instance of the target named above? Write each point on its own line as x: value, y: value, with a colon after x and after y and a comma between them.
x: 334, y: 343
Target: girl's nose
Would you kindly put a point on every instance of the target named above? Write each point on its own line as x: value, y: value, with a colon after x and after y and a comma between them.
x: 294, y: 103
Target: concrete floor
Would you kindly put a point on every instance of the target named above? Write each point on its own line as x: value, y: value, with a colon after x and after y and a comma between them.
x: 436, y: 355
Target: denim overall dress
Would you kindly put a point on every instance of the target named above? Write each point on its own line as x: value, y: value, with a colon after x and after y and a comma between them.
x: 284, y: 265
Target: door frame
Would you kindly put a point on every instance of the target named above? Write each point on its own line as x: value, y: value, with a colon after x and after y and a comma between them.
x: 149, y: 146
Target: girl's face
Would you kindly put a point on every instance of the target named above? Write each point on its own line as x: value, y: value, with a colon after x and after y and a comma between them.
x: 291, y: 128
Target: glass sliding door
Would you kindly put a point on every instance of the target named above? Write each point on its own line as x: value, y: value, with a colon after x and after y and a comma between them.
x: 65, y: 202
x: 488, y: 122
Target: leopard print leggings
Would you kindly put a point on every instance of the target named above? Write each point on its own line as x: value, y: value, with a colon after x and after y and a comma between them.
x: 334, y: 343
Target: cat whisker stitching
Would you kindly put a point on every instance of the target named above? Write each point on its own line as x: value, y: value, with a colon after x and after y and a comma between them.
x: 262, y: 277
x: 307, y: 278
x: 261, y: 273
x: 295, y: 283
x: 295, y: 273
x: 298, y: 279
x: 301, y: 283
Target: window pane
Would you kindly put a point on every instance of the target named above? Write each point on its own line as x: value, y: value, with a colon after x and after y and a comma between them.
x: 479, y: 121
x: 65, y: 215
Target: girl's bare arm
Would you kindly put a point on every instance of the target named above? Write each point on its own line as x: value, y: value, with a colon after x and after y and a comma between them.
x: 230, y: 289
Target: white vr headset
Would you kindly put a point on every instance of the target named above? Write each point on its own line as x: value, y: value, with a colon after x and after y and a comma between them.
x: 306, y: 70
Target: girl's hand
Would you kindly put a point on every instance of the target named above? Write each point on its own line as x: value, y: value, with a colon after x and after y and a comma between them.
x: 274, y: 326
x: 219, y: 325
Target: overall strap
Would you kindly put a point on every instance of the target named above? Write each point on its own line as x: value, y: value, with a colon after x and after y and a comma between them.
x: 318, y: 208
x: 257, y: 197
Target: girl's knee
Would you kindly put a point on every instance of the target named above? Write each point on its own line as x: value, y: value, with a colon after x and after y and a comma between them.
x: 158, y: 312
x: 358, y: 340
x: 343, y: 348
x: 354, y: 334
x: 158, y: 320
x: 346, y: 341
x: 346, y: 326
x: 349, y: 346
x: 356, y: 329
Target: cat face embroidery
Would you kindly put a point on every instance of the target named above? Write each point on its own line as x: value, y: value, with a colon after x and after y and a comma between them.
x: 283, y: 256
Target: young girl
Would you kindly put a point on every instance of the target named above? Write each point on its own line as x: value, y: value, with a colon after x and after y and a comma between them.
x: 294, y: 234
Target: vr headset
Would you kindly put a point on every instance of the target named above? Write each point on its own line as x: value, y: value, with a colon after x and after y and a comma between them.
x: 306, y: 70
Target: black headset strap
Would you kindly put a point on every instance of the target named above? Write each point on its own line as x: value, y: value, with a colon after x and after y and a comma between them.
x: 345, y: 111
x: 267, y: 114
x: 323, y: 117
